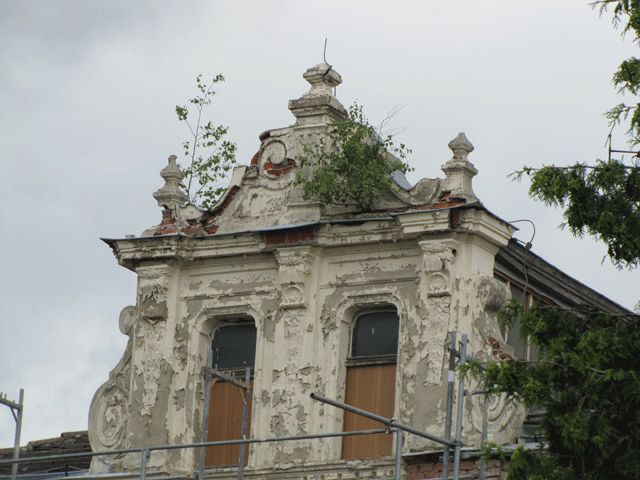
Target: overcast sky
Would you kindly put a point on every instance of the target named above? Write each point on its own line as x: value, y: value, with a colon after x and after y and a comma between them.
x: 87, y: 96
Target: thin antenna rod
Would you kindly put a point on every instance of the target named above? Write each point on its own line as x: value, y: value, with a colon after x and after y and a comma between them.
x: 324, y: 53
x: 324, y: 58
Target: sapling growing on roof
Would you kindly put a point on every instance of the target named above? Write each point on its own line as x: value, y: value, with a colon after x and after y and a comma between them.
x: 351, y: 163
x: 209, y: 155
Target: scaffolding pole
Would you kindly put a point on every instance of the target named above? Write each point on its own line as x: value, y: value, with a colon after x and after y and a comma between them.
x: 389, y: 422
x: 243, y: 424
x: 16, y: 410
x: 451, y: 378
x: 459, y: 410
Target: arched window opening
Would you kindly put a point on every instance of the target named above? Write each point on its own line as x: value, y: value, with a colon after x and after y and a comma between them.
x: 233, y: 351
x: 370, y: 383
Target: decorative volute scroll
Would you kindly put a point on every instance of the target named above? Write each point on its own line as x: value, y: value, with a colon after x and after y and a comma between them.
x: 459, y: 170
x: 109, y: 410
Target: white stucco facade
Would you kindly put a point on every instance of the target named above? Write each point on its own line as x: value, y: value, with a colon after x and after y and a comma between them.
x: 301, y: 271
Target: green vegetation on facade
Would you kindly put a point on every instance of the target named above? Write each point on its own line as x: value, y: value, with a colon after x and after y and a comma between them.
x: 351, y: 164
x: 587, y: 376
x: 209, y: 155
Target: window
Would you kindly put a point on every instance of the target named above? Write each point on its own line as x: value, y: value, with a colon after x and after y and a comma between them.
x: 522, y: 348
x: 370, y: 384
x: 233, y: 349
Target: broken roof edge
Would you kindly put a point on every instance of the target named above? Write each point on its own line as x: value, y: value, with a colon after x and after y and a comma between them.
x: 382, y: 215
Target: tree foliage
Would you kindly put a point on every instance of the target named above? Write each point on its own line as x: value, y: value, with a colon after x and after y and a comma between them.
x: 587, y: 378
x: 351, y: 165
x: 587, y: 375
x: 603, y: 199
x: 208, y: 153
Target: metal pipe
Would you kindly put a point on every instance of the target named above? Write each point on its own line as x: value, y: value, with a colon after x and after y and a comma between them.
x: 485, y: 435
x: 390, y: 422
x: 451, y: 378
x: 144, y: 456
x: 16, y: 442
x: 196, y: 445
x: 399, y: 442
x: 459, y: 411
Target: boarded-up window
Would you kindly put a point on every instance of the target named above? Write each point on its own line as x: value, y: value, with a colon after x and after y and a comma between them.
x: 370, y: 385
x: 233, y: 350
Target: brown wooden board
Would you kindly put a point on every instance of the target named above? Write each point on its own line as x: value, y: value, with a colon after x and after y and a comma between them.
x: 225, y: 420
x: 371, y: 388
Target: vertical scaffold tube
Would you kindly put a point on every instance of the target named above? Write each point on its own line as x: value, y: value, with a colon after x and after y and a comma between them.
x: 451, y: 378
x: 459, y: 410
x: 399, y: 441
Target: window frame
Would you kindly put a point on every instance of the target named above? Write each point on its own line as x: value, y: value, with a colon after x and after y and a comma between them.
x: 207, y: 457
x: 372, y: 359
x: 364, y: 363
x: 234, y: 371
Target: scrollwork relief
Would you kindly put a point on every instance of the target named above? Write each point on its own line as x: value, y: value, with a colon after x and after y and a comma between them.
x: 109, y: 410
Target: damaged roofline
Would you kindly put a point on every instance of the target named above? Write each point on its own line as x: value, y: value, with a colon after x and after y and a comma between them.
x: 389, y: 217
x: 289, y: 226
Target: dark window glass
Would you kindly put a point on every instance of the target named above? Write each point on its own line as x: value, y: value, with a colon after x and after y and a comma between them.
x: 375, y: 333
x: 514, y: 339
x: 518, y: 295
x: 234, y: 346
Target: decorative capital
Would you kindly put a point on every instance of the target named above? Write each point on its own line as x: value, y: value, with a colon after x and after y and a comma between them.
x: 171, y: 195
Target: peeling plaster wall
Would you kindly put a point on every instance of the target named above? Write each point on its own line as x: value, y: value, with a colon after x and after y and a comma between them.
x: 433, y: 265
x: 303, y: 299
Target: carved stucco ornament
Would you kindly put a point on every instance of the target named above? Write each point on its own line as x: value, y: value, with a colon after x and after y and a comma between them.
x: 294, y: 268
x: 503, y: 414
x: 152, y: 295
x: 492, y: 295
x: 109, y: 410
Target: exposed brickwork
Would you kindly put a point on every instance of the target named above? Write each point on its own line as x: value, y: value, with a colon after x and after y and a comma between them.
x: 454, y: 218
x: 496, y: 351
x: 290, y: 236
x: 279, y: 170
x: 432, y: 470
x: 168, y: 223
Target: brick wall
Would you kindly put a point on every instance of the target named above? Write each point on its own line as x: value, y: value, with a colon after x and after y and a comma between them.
x: 469, y: 469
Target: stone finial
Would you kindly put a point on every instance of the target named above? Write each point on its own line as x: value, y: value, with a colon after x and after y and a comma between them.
x: 461, y: 146
x: 171, y: 195
x: 322, y: 78
x: 318, y: 106
x: 459, y: 170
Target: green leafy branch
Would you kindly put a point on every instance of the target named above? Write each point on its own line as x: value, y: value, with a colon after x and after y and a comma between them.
x: 209, y: 154
x: 352, y: 164
x: 602, y: 200
x: 587, y: 379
